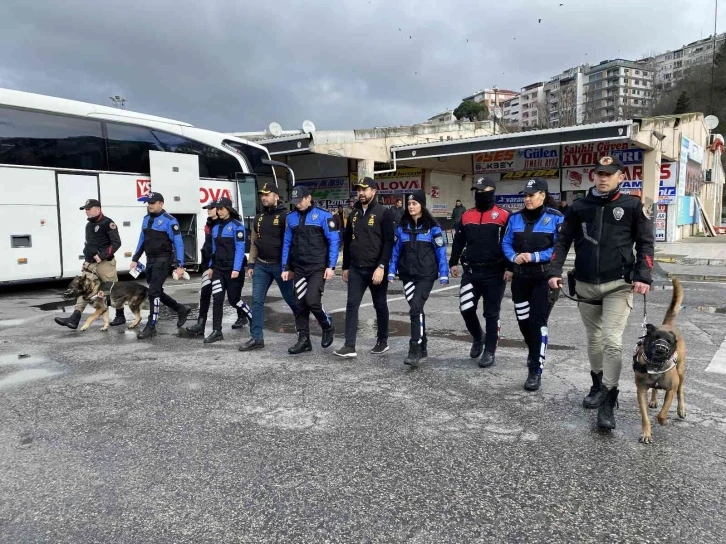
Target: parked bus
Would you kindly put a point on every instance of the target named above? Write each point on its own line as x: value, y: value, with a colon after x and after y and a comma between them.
x: 56, y: 153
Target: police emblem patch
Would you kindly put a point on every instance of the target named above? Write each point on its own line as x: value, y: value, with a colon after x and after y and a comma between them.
x: 547, y: 220
x: 240, y: 235
x: 331, y: 224
x: 176, y: 228
x: 606, y: 161
x: 495, y: 215
x: 618, y: 213
x: 439, y: 241
x: 159, y: 222
x: 96, y: 229
x: 315, y: 215
x: 112, y: 226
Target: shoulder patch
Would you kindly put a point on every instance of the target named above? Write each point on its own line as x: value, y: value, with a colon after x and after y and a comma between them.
x: 112, y: 226
x: 439, y: 240
x: 331, y: 224
x: 240, y: 235
x: 175, y: 226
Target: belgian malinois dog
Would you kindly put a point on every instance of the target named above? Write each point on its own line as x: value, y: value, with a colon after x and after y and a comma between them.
x: 101, y: 295
x: 660, y: 363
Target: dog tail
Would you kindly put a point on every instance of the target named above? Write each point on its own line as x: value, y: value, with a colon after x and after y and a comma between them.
x: 675, y: 306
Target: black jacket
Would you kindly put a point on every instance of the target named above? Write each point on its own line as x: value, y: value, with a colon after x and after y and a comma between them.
x: 268, y: 233
x: 397, y: 214
x: 368, y: 236
x: 102, y: 239
x: 478, y: 239
x: 604, y: 231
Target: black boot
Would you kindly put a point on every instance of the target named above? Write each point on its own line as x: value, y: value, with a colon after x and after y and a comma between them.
x: 252, y: 343
x: 120, y: 318
x: 70, y: 322
x: 534, y: 380
x: 328, y: 337
x: 182, y: 315
x: 605, y: 415
x: 241, y: 319
x: 214, y: 337
x: 148, y: 332
x: 477, y: 346
x: 198, y: 328
x: 424, y: 347
x: 486, y: 360
x: 595, y: 397
x: 414, y: 353
x: 303, y: 344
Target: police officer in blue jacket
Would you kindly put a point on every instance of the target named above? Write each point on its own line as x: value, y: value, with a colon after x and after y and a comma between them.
x: 310, y: 253
x: 225, y: 267
x: 160, y: 235
x: 419, y: 258
x: 528, y: 243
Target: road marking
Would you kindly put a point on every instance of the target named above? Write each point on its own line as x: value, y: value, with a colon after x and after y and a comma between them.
x: 718, y: 363
x: 341, y: 310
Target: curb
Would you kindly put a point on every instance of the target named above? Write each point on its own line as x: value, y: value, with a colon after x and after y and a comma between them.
x: 697, y: 277
x: 683, y: 259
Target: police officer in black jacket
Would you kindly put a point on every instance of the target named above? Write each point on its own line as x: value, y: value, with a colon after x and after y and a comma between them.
x: 367, y: 246
x: 265, y: 261
x: 310, y: 252
x: 102, y: 242
x: 206, y: 292
x: 606, y: 225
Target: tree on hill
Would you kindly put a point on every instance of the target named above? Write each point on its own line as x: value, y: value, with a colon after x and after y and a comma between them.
x: 474, y: 111
x: 683, y: 105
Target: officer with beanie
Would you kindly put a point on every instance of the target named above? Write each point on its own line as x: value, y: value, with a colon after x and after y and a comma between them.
x: 102, y: 242
x: 310, y: 252
x: 225, y: 268
x: 265, y: 262
x: 528, y: 243
x: 367, y: 246
x: 160, y: 235
x: 477, y: 245
x: 419, y: 258
x: 206, y: 292
x: 606, y: 226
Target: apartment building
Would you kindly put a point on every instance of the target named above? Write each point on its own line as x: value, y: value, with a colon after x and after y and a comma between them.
x: 564, y: 95
x: 510, y: 111
x: 618, y: 89
x: 491, y: 97
x: 533, y: 111
x: 672, y: 66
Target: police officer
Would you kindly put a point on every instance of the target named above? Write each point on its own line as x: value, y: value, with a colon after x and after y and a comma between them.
x: 528, y: 243
x: 605, y: 225
x: 226, y: 264
x: 206, y: 291
x: 477, y: 243
x: 265, y: 262
x: 310, y: 252
x: 102, y: 242
x: 367, y: 245
x: 419, y: 257
x: 160, y: 235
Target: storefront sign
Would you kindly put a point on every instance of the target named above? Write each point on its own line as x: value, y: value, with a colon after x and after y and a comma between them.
x: 327, y: 188
x: 661, y: 217
x: 402, y: 181
x: 516, y: 202
x: 512, y: 160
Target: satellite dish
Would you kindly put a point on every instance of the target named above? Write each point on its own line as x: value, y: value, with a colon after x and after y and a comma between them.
x: 308, y: 127
x: 275, y: 129
x: 711, y: 122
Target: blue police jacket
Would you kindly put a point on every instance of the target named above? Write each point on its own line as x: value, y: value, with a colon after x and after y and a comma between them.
x: 419, y: 253
x: 160, y: 233
x: 532, y: 233
x: 311, y: 240
x: 228, y: 245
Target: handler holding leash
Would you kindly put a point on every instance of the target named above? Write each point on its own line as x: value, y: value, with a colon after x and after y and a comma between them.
x: 605, y: 225
x: 528, y: 243
x: 102, y: 242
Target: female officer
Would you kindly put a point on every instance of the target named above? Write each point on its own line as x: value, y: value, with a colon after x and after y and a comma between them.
x: 528, y: 243
x: 419, y: 257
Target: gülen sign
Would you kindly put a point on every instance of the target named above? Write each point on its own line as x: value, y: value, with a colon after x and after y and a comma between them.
x: 508, y: 160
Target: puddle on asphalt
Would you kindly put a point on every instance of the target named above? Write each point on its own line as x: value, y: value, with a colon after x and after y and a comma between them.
x: 26, y: 375
x: 712, y: 309
x: 32, y: 367
x: 56, y: 306
x: 11, y: 322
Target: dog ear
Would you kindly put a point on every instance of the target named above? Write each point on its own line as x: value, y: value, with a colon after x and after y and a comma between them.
x: 650, y: 328
x: 674, y: 338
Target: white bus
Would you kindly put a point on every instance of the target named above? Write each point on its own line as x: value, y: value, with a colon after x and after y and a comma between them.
x: 56, y: 153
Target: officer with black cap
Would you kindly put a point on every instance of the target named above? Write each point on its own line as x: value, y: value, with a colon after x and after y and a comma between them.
x: 102, y: 242
x: 528, y: 244
x: 160, y: 236
x: 310, y: 251
x: 613, y: 237
x: 226, y: 268
x: 265, y: 261
x: 367, y: 246
x: 205, y: 295
x: 477, y: 245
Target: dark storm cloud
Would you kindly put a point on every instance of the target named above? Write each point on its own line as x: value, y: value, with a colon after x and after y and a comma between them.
x: 238, y: 65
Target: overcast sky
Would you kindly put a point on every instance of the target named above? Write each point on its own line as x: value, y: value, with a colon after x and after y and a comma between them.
x: 237, y: 65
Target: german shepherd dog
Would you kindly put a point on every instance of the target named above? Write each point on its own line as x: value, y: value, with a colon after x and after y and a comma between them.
x: 101, y: 295
x: 660, y: 363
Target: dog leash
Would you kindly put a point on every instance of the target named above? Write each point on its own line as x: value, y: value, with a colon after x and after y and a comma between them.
x: 598, y: 299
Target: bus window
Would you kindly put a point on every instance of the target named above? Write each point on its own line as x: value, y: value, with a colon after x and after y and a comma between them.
x: 213, y: 163
x: 265, y: 174
x: 129, y: 146
x: 40, y: 139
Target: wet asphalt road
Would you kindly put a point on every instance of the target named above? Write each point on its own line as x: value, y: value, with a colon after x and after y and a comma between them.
x: 104, y: 438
